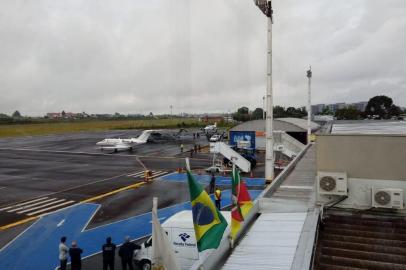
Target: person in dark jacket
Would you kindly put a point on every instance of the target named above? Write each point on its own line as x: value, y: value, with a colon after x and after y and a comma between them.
x: 75, y: 257
x: 126, y: 252
x: 109, y: 252
x: 212, y: 183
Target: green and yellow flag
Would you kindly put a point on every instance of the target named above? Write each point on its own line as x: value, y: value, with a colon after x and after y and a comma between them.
x: 208, y: 222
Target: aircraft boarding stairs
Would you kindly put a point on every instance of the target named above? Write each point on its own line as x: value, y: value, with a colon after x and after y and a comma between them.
x: 229, y: 153
x: 286, y: 144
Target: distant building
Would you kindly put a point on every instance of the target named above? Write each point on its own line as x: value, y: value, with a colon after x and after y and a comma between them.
x: 318, y: 108
x: 70, y: 115
x: 54, y: 115
x: 212, y: 118
x: 360, y: 106
x: 336, y: 106
x: 67, y: 115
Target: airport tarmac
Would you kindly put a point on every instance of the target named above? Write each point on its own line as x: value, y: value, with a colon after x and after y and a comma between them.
x: 69, y: 167
x: 44, y: 174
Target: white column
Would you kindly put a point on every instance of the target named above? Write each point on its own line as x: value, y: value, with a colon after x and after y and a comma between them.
x: 309, y: 105
x: 269, y: 154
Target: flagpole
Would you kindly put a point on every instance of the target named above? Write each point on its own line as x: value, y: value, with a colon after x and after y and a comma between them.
x: 155, y: 204
x: 232, y: 203
x: 187, y: 164
x: 154, y: 213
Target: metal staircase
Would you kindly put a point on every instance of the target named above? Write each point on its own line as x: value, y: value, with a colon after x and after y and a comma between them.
x: 229, y: 153
x: 286, y: 144
x: 356, y: 242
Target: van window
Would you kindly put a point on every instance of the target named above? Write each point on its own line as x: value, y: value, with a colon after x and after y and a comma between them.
x: 148, y: 243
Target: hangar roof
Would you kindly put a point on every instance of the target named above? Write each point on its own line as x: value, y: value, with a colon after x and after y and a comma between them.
x: 283, y: 124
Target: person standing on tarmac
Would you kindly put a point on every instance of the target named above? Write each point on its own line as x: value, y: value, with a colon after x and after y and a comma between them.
x: 217, y: 198
x: 181, y: 148
x: 75, y: 258
x: 126, y: 252
x: 212, y: 183
x: 109, y: 252
x: 63, y: 253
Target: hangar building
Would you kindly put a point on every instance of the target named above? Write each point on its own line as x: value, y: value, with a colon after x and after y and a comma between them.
x: 295, y: 127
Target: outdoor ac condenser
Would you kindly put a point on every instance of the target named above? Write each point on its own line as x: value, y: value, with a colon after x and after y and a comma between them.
x: 332, y: 183
x: 387, y: 198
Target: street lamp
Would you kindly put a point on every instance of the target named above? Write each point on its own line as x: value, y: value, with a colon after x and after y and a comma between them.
x: 266, y: 7
x: 309, y: 104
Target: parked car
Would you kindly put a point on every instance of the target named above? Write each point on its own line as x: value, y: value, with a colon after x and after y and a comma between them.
x: 215, y: 138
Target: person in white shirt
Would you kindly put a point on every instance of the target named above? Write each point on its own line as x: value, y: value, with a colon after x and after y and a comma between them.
x: 63, y: 253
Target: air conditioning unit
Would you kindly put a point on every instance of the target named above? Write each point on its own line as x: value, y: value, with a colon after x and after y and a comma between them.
x: 387, y: 198
x: 332, y: 183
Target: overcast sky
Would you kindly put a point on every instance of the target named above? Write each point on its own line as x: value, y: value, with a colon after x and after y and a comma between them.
x: 137, y: 56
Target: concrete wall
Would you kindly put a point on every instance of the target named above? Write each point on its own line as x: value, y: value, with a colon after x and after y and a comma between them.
x: 360, y: 192
x: 381, y: 157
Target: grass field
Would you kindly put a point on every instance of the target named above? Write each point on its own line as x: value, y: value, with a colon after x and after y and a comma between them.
x: 93, y: 125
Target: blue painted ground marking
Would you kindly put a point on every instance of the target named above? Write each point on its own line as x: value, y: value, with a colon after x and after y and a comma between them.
x: 220, y: 180
x: 37, y: 247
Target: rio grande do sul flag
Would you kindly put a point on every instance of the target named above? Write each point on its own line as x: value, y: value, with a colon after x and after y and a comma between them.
x: 242, y: 203
x: 208, y: 222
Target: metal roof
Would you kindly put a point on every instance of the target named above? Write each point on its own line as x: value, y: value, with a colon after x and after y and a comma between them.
x: 283, y: 124
x: 302, y: 123
x: 270, y: 243
x: 369, y: 127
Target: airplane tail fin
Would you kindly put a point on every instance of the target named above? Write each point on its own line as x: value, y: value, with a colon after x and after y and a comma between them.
x: 144, y: 135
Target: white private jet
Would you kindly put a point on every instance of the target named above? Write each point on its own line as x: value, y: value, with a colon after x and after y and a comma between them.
x: 124, y: 144
x: 210, y: 128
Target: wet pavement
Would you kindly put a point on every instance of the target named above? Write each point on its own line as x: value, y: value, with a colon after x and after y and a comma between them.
x: 63, y: 170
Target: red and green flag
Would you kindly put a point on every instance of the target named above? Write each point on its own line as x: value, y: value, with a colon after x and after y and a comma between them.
x: 241, y: 200
x: 208, y: 222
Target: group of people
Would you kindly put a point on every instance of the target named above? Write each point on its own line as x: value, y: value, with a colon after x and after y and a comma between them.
x: 126, y: 253
x: 196, y: 135
x: 196, y: 148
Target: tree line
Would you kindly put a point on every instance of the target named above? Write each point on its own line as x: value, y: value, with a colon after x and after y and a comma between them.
x: 378, y: 107
x: 244, y: 114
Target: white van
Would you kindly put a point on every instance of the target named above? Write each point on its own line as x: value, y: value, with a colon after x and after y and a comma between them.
x: 179, y: 228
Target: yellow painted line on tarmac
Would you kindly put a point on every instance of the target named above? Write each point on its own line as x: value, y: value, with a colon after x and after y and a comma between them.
x: 113, y: 192
x: 20, y: 222
x: 8, y: 226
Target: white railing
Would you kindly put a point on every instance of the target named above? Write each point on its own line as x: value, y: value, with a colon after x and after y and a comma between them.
x: 217, y: 257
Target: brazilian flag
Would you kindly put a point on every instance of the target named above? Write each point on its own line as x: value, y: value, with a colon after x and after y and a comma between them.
x: 208, y: 222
